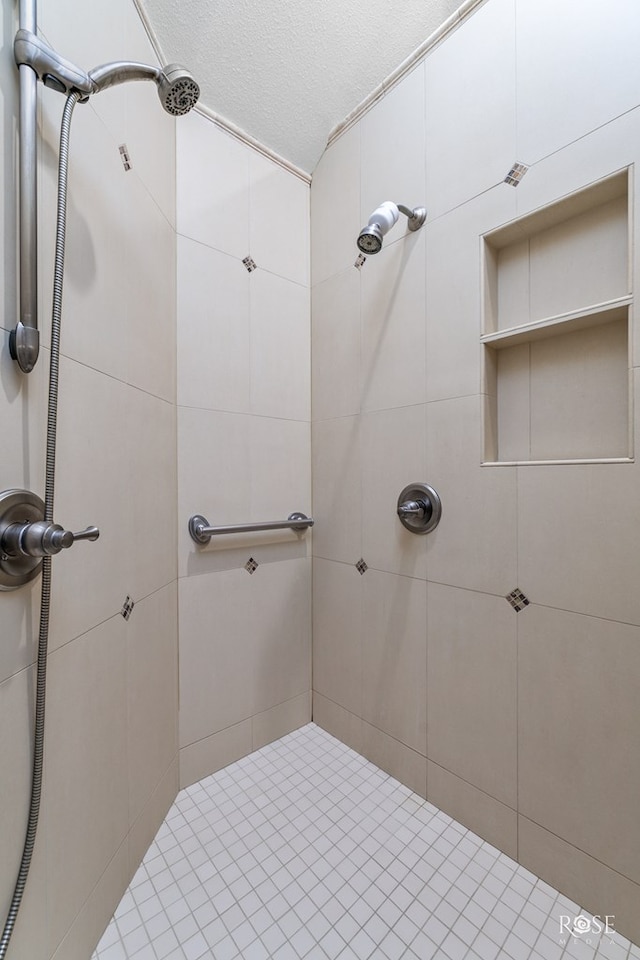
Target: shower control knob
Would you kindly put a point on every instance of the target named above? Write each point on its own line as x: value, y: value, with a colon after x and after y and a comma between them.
x: 41, y: 539
x: 419, y: 508
x: 63, y: 539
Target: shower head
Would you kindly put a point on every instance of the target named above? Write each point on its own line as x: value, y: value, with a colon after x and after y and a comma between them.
x: 177, y: 89
x: 380, y: 222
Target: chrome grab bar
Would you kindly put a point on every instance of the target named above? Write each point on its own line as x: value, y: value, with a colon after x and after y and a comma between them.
x: 201, y: 532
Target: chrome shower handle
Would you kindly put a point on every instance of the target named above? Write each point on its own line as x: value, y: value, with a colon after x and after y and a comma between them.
x: 66, y: 539
x: 40, y: 538
x: 416, y: 508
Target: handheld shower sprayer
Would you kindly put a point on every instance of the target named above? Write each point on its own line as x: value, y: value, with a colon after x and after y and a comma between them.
x: 177, y: 89
x: 36, y: 60
x: 382, y: 220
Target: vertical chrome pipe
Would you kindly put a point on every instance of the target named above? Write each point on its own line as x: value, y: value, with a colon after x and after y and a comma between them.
x: 25, y: 339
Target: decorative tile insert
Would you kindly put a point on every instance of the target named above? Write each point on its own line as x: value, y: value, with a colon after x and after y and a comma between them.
x: 251, y: 565
x: 360, y: 260
x: 517, y: 600
x: 124, y: 156
x: 516, y: 174
x: 250, y: 264
x: 361, y: 566
x: 127, y: 608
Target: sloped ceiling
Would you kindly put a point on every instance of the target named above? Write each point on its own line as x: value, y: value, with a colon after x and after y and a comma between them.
x: 287, y: 71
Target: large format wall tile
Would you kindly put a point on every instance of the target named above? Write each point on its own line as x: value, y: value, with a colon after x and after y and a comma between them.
x: 92, y: 488
x: 578, y: 705
x: 454, y: 292
x: 279, y: 353
x: 486, y: 816
x: 395, y: 758
x: 472, y: 688
x: 471, y: 108
x: 573, y: 74
x: 217, y: 653
x: 213, y: 306
x: 335, y: 346
x: 337, y: 633
x: 85, y: 766
x: 119, y: 294
x: 212, y: 207
x: 337, y: 489
x: 474, y: 545
x: 150, y: 506
x: 389, y: 173
x: 393, y: 326
x: 595, y: 554
x: 278, y: 220
x: 585, y: 879
x: 152, y: 694
x: 337, y: 721
x: 394, y: 657
x: 335, y: 207
x: 243, y: 659
x: 16, y: 758
x: 393, y: 456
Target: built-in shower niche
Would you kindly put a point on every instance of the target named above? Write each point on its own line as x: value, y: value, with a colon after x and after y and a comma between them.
x: 556, y: 313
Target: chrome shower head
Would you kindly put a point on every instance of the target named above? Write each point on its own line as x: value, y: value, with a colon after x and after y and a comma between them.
x: 177, y: 89
x: 370, y: 239
x: 380, y: 222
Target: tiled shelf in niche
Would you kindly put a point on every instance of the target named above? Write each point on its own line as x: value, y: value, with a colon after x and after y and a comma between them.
x: 557, y: 309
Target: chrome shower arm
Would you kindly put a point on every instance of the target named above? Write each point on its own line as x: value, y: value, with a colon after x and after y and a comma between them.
x: 121, y: 71
x: 416, y: 217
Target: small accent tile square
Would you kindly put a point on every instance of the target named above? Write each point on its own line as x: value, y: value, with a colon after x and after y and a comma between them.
x: 518, y: 600
x: 516, y: 173
x: 251, y: 565
x: 304, y: 849
x: 361, y: 566
x: 360, y: 261
x: 125, y: 157
x: 127, y: 608
x: 250, y: 264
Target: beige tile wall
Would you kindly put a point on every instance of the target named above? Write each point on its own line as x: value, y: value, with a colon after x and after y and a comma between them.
x: 522, y: 725
x: 111, y: 736
x: 244, y: 447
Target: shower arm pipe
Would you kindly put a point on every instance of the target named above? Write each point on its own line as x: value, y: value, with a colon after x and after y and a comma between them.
x: 201, y: 532
x: 415, y: 217
x: 25, y: 339
x: 122, y: 71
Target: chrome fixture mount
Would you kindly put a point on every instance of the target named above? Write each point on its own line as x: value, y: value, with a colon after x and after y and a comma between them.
x: 382, y: 219
x: 36, y: 60
x: 201, y: 532
x: 25, y: 537
x: 419, y: 508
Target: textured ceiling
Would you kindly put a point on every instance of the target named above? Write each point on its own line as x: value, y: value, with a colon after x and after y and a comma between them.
x: 287, y: 71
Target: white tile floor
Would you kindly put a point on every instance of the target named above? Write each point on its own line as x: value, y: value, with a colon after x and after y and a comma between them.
x: 306, y: 850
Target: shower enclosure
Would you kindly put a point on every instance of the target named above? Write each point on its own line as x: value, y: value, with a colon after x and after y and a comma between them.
x: 491, y: 664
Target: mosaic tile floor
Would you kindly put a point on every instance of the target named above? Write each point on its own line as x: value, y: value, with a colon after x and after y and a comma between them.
x: 306, y: 850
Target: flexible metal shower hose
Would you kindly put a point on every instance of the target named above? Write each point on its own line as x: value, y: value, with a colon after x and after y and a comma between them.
x: 52, y: 421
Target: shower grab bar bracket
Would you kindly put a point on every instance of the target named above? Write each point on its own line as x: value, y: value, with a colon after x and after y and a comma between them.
x: 201, y: 532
